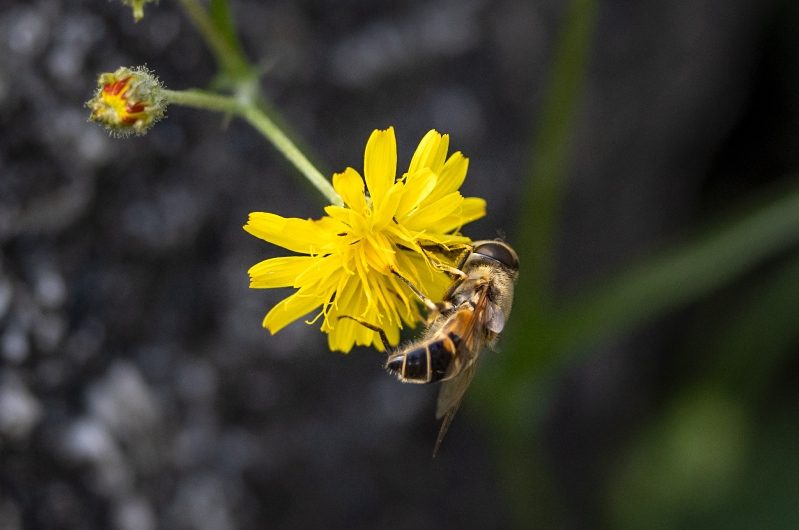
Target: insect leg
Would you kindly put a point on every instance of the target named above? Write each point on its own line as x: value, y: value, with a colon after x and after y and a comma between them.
x: 464, y: 256
x: 432, y: 306
x: 374, y: 328
x: 455, y: 272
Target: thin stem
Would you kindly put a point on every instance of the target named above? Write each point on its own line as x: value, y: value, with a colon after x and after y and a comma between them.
x: 229, y: 59
x: 204, y: 100
x: 237, y: 73
x: 200, y: 99
x: 259, y: 120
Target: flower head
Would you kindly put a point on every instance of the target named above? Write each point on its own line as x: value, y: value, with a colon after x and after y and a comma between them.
x: 346, y: 258
x: 127, y: 101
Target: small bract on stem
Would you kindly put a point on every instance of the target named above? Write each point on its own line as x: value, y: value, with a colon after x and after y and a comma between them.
x: 138, y: 7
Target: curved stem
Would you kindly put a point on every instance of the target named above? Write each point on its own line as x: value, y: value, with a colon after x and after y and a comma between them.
x: 267, y: 127
x: 229, y: 59
x: 204, y: 100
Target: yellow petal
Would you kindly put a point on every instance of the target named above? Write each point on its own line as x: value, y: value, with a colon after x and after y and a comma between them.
x: 329, y: 225
x: 431, y: 153
x: 279, y: 272
x: 440, y: 238
x: 344, y: 333
x: 437, y: 164
x: 322, y: 273
x: 425, y: 152
x: 400, y: 291
x: 384, y: 244
x: 297, y: 235
x: 391, y: 325
x: 450, y: 178
x: 295, y: 306
x: 342, y: 337
x: 362, y: 334
x: 387, y: 207
x: 387, y: 304
x: 353, y: 221
x: 472, y: 208
x: 426, y: 278
x: 400, y: 235
x: 332, y: 311
x: 348, y: 302
x: 375, y: 257
x: 392, y: 334
x: 349, y: 185
x: 380, y: 163
x: 418, y: 186
x: 427, y: 217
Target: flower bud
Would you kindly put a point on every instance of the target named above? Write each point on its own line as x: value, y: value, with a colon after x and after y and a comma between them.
x: 138, y: 7
x: 127, y: 101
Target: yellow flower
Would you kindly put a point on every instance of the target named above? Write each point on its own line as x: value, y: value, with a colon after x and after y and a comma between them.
x: 127, y: 101
x: 348, y: 255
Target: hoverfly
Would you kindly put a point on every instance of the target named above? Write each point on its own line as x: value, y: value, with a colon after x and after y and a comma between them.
x: 472, y: 313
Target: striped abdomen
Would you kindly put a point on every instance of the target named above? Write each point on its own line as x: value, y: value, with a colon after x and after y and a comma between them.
x: 427, y: 362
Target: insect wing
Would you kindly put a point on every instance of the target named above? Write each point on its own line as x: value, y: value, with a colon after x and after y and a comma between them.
x: 449, y: 399
x: 452, y: 390
x: 469, y: 349
x: 468, y: 324
x: 495, y: 320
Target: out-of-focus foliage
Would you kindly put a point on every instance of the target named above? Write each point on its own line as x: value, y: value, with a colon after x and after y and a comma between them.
x: 698, y: 461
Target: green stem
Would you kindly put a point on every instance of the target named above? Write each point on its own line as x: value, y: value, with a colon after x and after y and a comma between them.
x: 204, y: 100
x: 226, y: 55
x: 552, y: 157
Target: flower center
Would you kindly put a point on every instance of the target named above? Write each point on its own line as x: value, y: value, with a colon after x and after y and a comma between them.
x: 116, y: 96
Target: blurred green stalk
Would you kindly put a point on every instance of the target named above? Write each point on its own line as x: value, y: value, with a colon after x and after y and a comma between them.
x: 511, y: 393
x: 519, y: 452
x: 682, y: 274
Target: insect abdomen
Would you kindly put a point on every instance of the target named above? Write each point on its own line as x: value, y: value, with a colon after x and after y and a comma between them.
x: 427, y: 363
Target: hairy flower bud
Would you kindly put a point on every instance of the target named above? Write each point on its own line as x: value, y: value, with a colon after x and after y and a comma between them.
x: 128, y: 101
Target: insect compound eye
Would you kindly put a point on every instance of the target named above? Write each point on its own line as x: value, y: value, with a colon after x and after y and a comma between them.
x: 499, y: 251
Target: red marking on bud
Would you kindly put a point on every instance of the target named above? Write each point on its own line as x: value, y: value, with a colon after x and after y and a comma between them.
x: 138, y: 107
x: 115, y: 88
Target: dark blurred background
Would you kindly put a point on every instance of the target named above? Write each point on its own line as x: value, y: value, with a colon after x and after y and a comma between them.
x: 138, y: 390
